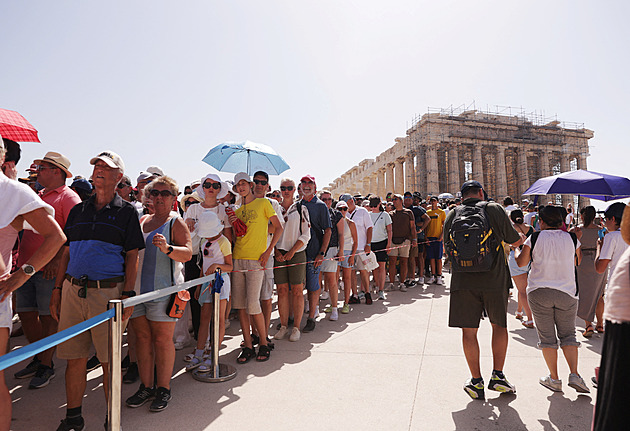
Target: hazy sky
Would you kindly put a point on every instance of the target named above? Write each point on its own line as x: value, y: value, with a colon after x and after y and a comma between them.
x: 325, y: 83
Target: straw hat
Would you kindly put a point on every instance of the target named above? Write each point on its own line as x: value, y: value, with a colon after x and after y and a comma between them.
x: 625, y: 224
x: 57, y: 159
x: 184, y: 198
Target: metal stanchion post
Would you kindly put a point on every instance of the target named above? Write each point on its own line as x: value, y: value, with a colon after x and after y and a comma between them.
x: 115, y: 372
x: 220, y: 372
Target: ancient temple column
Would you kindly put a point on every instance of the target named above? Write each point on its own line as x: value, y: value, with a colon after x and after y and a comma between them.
x: 454, y: 183
x: 389, y: 178
x: 502, y: 188
x: 399, y: 178
x: 410, y: 174
x: 365, y: 189
x: 565, y: 166
x: 545, y: 163
x: 380, y: 180
x: 372, y: 188
x: 433, y: 185
x: 477, y: 164
x: 582, y: 161
x: 523, y: 173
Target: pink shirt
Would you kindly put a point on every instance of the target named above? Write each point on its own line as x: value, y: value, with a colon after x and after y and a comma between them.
x: 62, y: 199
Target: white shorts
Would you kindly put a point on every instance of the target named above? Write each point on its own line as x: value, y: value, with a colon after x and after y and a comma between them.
x: 6, y: 313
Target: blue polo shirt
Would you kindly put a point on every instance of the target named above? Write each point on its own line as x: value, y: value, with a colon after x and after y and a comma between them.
x: 99, y: 239
x: 320, y: 221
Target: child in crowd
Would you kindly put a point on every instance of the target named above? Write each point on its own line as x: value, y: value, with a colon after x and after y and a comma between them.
x: 216, y: 252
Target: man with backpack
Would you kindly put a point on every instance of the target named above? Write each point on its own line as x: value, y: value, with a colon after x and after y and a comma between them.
x: 480, y: 280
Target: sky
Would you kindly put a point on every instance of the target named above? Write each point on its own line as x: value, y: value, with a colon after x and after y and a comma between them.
x: 326, y: 83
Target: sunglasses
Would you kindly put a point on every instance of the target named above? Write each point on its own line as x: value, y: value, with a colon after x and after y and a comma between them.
x: 215, y: 186
x: 286, y: 188
x: 327, y: 199
x: 261, y: 182
x: 343, y: 209
x: 123, y: 185
x: 41, y: 168
x: 189, y: 203
x: 306, y: 182
x: 163, y: 193
x: 274, y: 196
x: 206, y: 249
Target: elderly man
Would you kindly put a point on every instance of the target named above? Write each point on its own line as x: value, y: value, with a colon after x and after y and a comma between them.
x: 363, y: 222
x: 99, y: 263
x: 321, y: 230
x: 33, y: 298
x: 403, y: 238
x: 124, y: 188
x: 20, y: 204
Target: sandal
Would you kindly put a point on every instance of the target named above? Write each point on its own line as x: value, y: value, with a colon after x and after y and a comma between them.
x: 263, y: 353
x: 600, y: 328
x: 245, y: 356
x: 588, y: 331
x: 528, y: 323
x: 189, y: 357
x: 196, y: 361
x: 205, y: 367
x: 519, y: 315
x: 255, y: 341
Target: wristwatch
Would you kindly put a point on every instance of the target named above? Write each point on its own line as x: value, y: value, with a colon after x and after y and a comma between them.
x: 28, y: 269
x: 170, y: 250
x: 128, y: 293
x: 321, y: 253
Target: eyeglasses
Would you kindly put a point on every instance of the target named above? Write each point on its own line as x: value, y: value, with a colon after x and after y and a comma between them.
x: 123, y: 185
x: 41, y: 167
x: 215, y: 186
x: 261, y: 182
x: 286, y: 188
x: 163, y: 193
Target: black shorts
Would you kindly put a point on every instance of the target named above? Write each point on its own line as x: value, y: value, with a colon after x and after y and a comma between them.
x: 379, y: 250
x: 466, y: 307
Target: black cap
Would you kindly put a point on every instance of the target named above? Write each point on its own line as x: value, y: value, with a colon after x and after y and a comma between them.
x: 407, y: 194
x: 471, y: 184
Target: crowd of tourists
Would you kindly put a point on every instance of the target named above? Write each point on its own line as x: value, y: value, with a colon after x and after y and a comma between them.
x: 68, y: 250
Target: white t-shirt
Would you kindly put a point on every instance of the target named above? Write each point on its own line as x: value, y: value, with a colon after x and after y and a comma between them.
x: 361, y: 218
x: 510, y: 208
x: 291, y: 232
x: 194, y: 211
x: 380, y: 221
x: 617, y: 303
x: 569, y: 220
x: 527, y: 217
x: 553, y: 264
x: 612, y: 248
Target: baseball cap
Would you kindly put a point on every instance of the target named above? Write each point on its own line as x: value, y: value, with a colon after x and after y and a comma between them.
x: 111, y: 159
x: 471, y: 184
x: 239, y: 177
x: 144, y: 176
x: 155, y: 170
x: 417, y: 195
x: 345, y: 197
x: 408, y: 195
x: 341, y: 204
x: 82, y: 183
x: 308, y: 178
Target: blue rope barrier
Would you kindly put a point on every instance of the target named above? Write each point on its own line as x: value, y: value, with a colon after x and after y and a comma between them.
x: 26, y: 352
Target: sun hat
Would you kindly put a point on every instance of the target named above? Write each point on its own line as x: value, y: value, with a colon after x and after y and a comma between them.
x: 214, y: 177
x: 57, y: 159
x: 239, y: 177
x: 110, y: 158
x: 209, y: 225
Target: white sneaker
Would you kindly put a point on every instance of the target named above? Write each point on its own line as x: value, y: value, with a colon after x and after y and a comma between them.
x: 324, y: 296
x: 381, y: 295
x: 402, y: 287
x: 389, y: 287
x: 295, y: 334
x: 439, y: 280
x: 316, y: 315
x: 420, y: 280
x: 431, y: 280
x: 334, y: 315
x: 282, y: 333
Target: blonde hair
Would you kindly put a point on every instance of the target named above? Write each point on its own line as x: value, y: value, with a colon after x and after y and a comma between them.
x: 166, y: 181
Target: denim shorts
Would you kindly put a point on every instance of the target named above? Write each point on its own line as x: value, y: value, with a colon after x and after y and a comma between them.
x: 344, y: 263
x: 515, y: 269
x: 312, y: 277
x: 207, y: 297
x: 35, y: 294
x: 154, y: 311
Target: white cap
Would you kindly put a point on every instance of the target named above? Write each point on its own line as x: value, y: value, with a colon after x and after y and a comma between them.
x: 110, y: 158
x: 239, y: 177
x: 155, y: 170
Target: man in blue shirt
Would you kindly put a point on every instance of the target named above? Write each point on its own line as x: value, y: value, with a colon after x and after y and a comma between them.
x: 99, y: 263
x: 321, y: 230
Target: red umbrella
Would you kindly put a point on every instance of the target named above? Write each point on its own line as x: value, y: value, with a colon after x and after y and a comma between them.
x: 15, y: 127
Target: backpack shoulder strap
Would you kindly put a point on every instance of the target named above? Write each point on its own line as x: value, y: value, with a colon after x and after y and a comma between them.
x: 574, y: 238
x: 534, y: 239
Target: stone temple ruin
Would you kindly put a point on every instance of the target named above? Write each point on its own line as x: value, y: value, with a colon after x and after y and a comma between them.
x: 505, y: 149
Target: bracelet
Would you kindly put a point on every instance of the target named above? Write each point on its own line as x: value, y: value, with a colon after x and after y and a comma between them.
x: 57, y: 287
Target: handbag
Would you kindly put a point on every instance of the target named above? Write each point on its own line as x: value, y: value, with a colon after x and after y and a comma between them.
x: 178, y: 300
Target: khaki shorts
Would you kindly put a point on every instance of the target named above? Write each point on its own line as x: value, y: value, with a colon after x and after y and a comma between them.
x: 266, y: 290
x: 246, y: 286
x: 292, y: 272
x: 75, y: 310
x: 401, y: 251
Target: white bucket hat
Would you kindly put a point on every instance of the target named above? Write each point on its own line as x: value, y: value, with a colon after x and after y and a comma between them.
x: 209, y: 225
x: 225, y: 187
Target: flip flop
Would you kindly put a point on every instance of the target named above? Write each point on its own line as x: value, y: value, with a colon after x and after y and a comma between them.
x: 600, y: 328
x: 588, y: 331
x: 528, y: 324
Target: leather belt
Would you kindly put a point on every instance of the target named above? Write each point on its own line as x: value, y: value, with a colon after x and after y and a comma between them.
x: 107, y: 283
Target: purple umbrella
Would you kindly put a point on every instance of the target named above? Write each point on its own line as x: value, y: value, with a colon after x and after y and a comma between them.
x: 584, y: 183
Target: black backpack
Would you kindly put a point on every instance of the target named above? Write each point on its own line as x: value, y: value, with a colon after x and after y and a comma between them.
x: 471, y: 244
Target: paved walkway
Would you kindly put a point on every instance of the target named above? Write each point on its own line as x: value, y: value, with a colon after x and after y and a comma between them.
x: 394, y: 365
